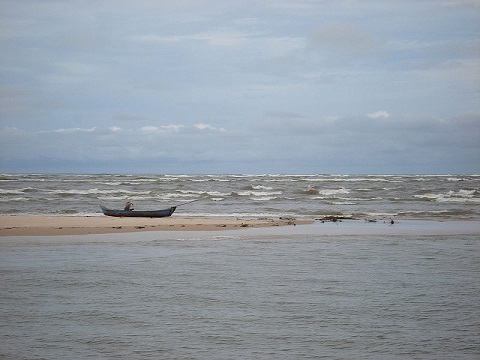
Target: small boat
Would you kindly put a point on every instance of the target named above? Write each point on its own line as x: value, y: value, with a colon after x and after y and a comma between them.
x: 139, y: 213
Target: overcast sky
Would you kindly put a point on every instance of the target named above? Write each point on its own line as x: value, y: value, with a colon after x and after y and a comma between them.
x: 274, y: 86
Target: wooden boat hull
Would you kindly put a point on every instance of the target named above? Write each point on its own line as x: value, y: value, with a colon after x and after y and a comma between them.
x: 139, y: 213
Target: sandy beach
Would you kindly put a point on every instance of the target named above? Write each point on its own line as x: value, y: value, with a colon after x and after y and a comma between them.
x: 98, y: 225
x: 84, y: 225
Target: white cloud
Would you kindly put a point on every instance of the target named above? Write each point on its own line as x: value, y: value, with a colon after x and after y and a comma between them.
x: 172, y: 127
x: 379, y: 115
x: 75, y: 130
x: 208, y: 127
x: 280, y: 139
x: 162, y: 128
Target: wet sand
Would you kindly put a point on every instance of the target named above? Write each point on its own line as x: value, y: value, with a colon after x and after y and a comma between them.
x: 84, y: 225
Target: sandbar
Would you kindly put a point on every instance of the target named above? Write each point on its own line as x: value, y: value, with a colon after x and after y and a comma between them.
x: 84, y: 225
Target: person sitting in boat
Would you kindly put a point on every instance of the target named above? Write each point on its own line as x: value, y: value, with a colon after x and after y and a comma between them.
x: 128, y: 206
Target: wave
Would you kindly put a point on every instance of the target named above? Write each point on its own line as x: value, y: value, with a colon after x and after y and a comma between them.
x: 242, y: 215
x: 334, y: 191
x: 12, y: 192
x: 20, y: 191
x: 96, y: 191
x: 325, y: 192
x: 203, y: 193
x: 353, y: 199
x: 303, y: 195
x: 258, y: 193
x: 264, y: 198
x: 435, y: 213
x: 342, y: 203
x: 257, y: 187
x: 357, y: 179
x: 67, y: 212
x: 462, y: 196
x: 20, y: 198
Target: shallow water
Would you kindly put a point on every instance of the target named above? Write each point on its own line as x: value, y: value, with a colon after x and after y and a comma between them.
x: 241, y: 294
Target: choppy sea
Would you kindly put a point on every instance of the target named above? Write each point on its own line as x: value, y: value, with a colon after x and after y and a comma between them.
x: 303, y: 196
x: 349, y: 290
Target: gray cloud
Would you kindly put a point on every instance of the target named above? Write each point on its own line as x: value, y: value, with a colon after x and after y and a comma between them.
x: 280, y: 86
x: 340, y: 39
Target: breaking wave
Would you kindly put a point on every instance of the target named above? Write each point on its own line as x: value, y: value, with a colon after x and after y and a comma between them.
x: 416, y: 196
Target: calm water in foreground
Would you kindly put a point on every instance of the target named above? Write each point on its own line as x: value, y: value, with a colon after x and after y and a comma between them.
x: 295, y: 293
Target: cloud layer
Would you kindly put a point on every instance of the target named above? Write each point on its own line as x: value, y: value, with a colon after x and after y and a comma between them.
x: 240, y: 86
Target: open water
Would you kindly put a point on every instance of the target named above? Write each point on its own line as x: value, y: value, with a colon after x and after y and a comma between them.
x: 302, y: 196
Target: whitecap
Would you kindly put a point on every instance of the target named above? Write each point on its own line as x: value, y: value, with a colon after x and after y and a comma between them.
x: 334, y: 191
x: 261, y: 187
